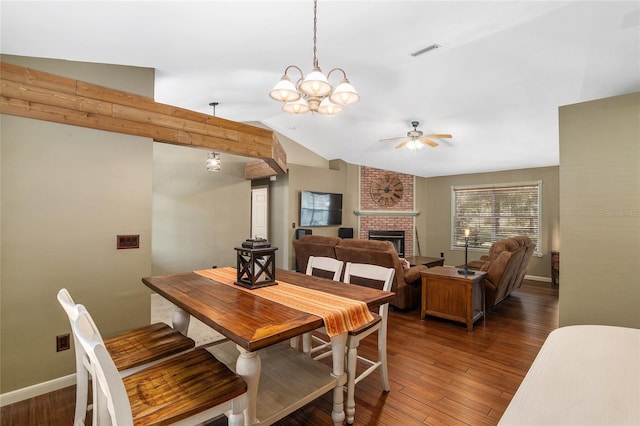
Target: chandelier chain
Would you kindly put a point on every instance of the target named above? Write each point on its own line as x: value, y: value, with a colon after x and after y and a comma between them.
x: 315, y: 24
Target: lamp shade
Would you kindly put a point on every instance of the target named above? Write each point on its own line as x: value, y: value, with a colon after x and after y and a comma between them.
x: 284, y: 91
x: 316, y: 84
x: 299, y: 106
x: 329, y: 108
x: 345, y: 94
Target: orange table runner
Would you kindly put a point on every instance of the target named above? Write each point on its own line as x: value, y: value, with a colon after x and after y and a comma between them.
x: 340, y: 314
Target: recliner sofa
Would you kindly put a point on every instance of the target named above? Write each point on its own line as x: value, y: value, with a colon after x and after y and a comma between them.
x: 506, y: 265
x: 406, y: 283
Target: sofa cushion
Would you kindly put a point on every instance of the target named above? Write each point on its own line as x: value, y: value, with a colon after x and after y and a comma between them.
x: 313, y: 245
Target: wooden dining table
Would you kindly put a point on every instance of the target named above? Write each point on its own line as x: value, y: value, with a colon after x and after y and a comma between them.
x: 256, y: 325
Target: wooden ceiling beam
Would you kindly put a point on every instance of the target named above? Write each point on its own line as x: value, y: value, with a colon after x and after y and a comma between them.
x: 35, y: 94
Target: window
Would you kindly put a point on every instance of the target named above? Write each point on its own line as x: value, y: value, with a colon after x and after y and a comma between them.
x: 494, y: 212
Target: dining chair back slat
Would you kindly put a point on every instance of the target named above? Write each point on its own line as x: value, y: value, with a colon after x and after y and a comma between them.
x: 325, y: 267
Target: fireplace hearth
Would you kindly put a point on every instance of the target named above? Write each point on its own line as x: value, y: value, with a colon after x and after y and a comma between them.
x: 396, y: 237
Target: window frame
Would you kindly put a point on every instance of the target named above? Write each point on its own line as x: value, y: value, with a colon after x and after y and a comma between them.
x: 489, y: 187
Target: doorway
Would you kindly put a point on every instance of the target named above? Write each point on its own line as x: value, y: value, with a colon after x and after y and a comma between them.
x: 259, y: 212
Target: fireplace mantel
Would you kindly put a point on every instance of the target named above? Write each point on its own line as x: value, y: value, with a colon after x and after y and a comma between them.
x: 386, y: 212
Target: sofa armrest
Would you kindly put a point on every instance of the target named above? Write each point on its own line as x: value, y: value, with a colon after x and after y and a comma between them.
x: 412, y: 274
x: 476, y: 264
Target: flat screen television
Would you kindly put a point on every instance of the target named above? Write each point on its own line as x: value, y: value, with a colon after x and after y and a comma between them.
x: 320, y: 208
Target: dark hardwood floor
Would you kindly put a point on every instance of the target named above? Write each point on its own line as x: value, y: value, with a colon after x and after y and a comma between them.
x: 439, y: 373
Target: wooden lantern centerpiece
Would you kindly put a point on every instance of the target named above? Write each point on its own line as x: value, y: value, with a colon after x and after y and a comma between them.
x: 256, y: 264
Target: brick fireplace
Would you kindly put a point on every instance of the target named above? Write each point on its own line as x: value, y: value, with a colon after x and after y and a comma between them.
x: 398, y: 218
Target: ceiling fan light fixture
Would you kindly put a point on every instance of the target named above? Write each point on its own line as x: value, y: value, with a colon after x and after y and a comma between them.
x: 315, y: 88
x: 416, y: 139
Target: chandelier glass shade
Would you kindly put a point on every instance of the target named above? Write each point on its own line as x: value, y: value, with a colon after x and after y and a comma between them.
x: 314, y: 92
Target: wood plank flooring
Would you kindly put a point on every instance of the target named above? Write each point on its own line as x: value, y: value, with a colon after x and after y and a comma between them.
x: 439, y: 373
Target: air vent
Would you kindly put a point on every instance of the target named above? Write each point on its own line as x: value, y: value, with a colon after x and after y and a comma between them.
x: 426, y: 49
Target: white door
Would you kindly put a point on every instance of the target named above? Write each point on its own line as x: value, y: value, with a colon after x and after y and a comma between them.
x: 259, y: 213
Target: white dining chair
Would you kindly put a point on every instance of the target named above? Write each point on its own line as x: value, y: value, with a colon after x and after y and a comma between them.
x: 381, y: 278
x: 324, y: 267
x: 131, y: 351
x: 187, y: 389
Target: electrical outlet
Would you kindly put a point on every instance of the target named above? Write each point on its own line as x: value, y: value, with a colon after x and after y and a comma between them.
x: 63, y: 342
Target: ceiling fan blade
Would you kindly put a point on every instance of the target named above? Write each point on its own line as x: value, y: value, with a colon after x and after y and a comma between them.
x: 429, y: 142
x: 392, y: 139
x: 403, y: 143
x: 440, y: 136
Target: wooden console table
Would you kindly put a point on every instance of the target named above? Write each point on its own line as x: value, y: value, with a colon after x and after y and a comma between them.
x: 429, y: 262
x: 448, y: 294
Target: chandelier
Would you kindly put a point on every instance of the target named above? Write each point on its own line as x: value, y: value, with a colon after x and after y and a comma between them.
x: 313, y: 92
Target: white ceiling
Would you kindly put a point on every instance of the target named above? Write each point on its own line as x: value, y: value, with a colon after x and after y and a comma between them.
x: 496, y: 83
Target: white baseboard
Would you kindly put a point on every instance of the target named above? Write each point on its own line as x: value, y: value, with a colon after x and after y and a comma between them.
x: 37, y: 390
x: 537, y: 278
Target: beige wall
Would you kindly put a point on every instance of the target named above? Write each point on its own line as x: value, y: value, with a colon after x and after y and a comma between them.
x: 340, y: 178
x: 198, y: 216
x: 600, y: 212
x: 66, y: 193
x: 434, y: 205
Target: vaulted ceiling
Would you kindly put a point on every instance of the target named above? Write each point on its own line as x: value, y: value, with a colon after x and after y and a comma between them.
x: 495, y: 84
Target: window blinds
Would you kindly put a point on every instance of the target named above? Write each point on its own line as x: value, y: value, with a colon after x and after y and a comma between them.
x: 494, y: 212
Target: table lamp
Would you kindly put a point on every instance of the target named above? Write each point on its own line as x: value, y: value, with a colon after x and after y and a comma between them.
x: 466, y: 269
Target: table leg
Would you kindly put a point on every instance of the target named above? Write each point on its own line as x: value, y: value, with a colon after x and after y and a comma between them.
x: 423, y: 299
x: 469, y: 303
x: 181, y: 320
x: 248, y: 367
x: 338, y: 345
x: 484, y: 301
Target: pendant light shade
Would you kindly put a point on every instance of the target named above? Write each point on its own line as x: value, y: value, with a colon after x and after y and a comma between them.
x: 299, y: 106
x: 316, y: 84
x: 328, y: 107
x: 284, y: 91
x: 345, y: 94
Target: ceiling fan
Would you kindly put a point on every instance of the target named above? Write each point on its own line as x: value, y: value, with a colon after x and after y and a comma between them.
x: 415, y: 139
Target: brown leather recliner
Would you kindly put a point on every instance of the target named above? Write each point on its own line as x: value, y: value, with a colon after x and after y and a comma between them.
x: 506, y: 265
x: 406, y: 282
